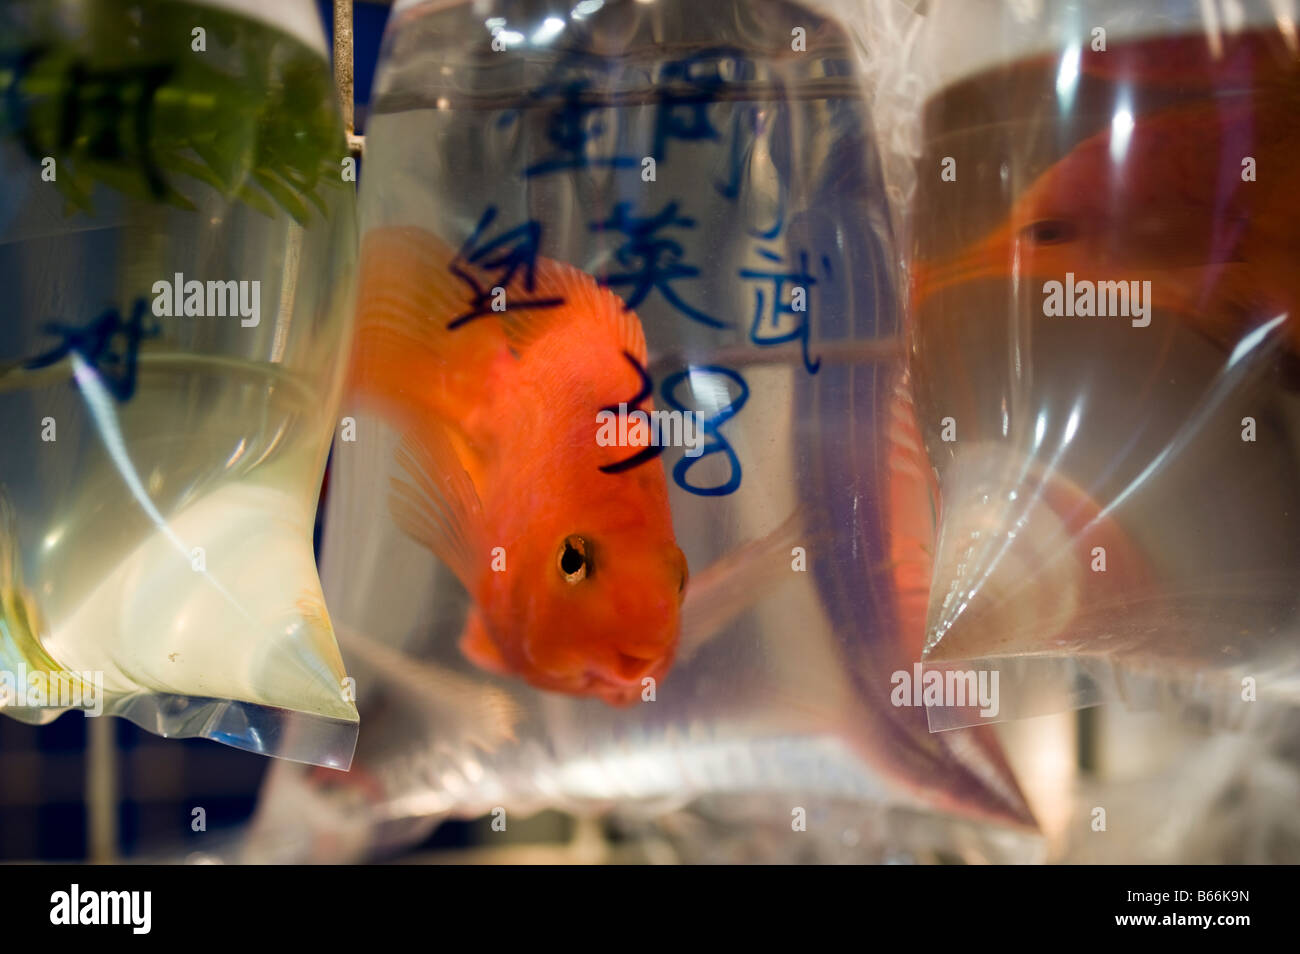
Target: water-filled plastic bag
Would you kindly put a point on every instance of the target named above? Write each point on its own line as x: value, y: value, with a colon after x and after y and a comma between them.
x: 177, y: 247
x: 1104, y: 314
x: 573, y: 215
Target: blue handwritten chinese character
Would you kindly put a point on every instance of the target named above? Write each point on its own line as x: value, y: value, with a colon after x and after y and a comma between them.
x: 109, y: 344
x: 748, y: 126
x: 769, y: 309
x: 687, y: 88
x: 739, y: 147
x: 685, y: 115
x: 573, y: 126
x: 504, y: 255
x: 652, y: 261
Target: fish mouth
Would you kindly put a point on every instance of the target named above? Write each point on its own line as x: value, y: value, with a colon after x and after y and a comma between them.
x: 621, y: 685
x: 633, y: 668
x: 627, y: 672
x: 617, y: 675
x: 614, y: 693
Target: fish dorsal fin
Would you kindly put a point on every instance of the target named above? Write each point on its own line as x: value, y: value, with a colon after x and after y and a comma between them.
x: 581, y: 295
x: 409, y: 298
x: 415, y: 301
x: 434, y: 501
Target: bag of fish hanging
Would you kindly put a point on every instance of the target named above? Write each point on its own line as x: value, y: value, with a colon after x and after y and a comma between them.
x: 1106, y: 325
x: 631, y: 511
x: 177, y: 245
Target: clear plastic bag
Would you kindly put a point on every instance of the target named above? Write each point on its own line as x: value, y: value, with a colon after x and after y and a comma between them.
x: 1104, y: 341
x: 1171, y: 792
x: 178, y: 247
x: 716, y: 167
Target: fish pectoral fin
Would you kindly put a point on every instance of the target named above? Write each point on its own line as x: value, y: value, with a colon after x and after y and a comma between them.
x: 433, y: 500
x: 479, y: 648
x: 737, y: 581
x: 1225, y: 301
x: 577, y: 292
x: 485, y: 714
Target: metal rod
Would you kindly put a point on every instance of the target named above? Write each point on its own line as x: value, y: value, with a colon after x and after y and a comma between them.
x: 344, y: 80
x: 101, y: 790
x: 343, y: 61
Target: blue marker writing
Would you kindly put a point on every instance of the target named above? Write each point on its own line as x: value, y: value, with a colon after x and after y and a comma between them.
x: 108, y: 344
x: 651, y: 261
x: 717, y: 443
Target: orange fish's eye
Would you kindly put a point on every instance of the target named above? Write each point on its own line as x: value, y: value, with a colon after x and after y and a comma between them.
x: 572, y: 559
x: 1049, y: 231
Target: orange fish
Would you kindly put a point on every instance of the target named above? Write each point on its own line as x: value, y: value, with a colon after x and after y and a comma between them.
x: 1162, y: 199
x: 565, y: 546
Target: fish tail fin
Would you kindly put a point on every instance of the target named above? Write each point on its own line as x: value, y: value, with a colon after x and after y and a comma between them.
x: 416, y: 354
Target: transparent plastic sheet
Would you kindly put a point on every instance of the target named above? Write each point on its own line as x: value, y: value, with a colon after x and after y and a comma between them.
x: 1103, y: 337
x: 1169, y: 788
x: 178, y: 249
x: 802, y: 520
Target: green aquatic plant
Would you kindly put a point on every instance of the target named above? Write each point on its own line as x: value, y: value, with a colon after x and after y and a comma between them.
x: 128, y: 100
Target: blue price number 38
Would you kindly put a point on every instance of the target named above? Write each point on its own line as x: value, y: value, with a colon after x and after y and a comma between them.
x: 715, y: 443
